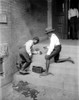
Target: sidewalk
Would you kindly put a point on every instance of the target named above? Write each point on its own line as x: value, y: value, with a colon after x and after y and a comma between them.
x: 62, y: 85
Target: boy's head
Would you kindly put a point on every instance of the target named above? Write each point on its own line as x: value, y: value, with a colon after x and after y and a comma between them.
x: 35, y: 40
x: 50, y: 31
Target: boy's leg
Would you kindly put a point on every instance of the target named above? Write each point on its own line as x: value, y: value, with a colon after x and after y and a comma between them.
x: 26, y: 61
x: 47, y: 68
x: 48, y: 57
x: 56, y: 58
x: 56, y: 53
x: 25, y: 57
x: 25, y: 66
x: 47, y: 65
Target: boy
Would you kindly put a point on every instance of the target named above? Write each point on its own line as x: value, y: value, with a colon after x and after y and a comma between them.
x: 53, y: 50
x: 25, y: 53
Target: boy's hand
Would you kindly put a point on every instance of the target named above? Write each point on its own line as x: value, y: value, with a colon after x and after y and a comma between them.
x: 37, y: 52
x: 37, y: 49
x: 41, y: 53
x: 45, y: 47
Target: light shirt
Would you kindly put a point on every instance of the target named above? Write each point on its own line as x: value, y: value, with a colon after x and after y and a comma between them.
x: 28, y: 46
x: 54, y: 41
x: 72, y: 13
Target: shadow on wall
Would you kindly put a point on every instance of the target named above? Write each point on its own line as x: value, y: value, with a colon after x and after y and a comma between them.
x: 20, y: 31
x: 21, y: 27
x: 33, y: 15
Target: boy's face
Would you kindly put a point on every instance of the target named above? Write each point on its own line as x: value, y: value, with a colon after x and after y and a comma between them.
x: 35, y: 41
x: 49, y: 35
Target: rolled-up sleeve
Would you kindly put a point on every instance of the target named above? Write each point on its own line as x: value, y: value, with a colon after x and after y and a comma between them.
x: 51, y: 46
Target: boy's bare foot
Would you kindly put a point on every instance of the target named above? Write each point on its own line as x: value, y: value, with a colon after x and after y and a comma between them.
x: 45, y: 74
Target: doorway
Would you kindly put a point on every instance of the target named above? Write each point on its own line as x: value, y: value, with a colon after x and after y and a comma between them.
x: 58, y: 17
x: 71, y: 5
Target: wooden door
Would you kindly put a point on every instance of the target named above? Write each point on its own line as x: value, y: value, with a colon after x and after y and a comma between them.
x: 58, y: 16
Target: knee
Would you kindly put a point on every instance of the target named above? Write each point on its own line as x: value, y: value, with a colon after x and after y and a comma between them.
x: 47, y: 57
x: 55, y: 61
x: 30, y: 61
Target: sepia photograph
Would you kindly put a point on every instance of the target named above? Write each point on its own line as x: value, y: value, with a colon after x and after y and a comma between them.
x: 39, y: 49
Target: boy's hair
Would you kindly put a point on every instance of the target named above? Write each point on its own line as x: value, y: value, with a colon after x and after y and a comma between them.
x: 36, y: 38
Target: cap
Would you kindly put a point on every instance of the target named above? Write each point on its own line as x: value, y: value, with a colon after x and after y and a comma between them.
x: 49, y: 31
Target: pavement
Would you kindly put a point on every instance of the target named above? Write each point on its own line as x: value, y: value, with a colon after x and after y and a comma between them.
x: 61, y: 85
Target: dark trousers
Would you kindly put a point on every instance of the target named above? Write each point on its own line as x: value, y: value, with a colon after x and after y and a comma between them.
x: 25, y: 58
x: 55, y: 53
x: 73, y: 28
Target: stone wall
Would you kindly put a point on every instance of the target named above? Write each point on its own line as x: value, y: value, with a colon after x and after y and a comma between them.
x: 14, y: 32
x: 23, y: 21
x: 5, y: 34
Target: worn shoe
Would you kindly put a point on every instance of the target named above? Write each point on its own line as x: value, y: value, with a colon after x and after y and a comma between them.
x: 23, y: 72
